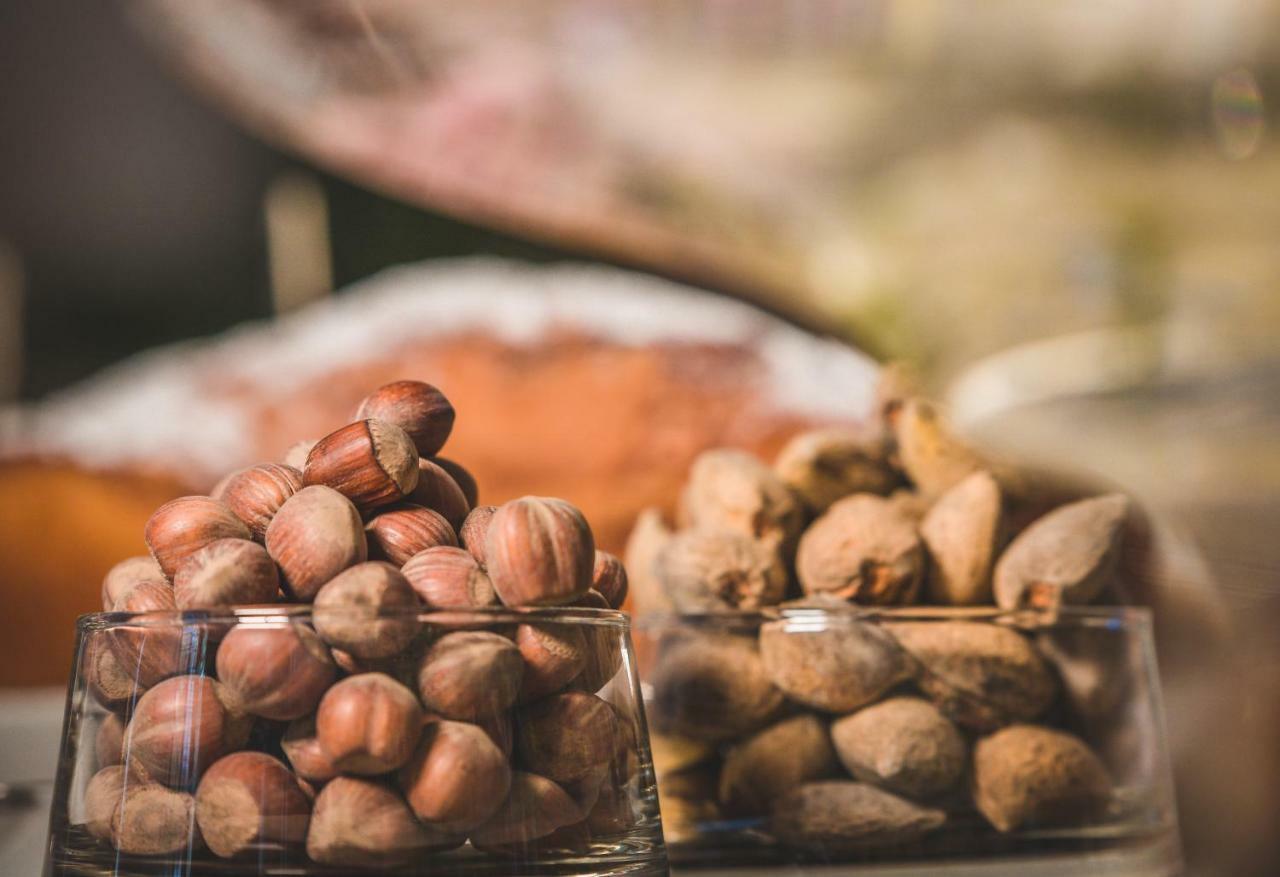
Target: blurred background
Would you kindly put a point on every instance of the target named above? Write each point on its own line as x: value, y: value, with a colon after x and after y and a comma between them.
x: 1064, y: 217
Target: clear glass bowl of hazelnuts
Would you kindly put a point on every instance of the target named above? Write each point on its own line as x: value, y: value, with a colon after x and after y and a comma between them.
x: 341, y: 663
x: 883, y: 649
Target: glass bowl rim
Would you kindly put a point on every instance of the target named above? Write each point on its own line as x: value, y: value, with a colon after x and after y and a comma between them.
x: 279, y: 614
x: 1103, y: 616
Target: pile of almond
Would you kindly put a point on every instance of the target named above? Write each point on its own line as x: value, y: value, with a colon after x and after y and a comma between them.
x: 832, y: 723
x: 395, y: 718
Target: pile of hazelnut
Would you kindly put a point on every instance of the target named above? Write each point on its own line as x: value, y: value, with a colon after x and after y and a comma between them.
x: 393, y: 720
x: 833, y: 723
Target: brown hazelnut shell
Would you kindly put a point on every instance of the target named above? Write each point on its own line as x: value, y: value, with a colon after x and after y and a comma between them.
x: 181, y: 527
x: 418, y: 408
x: 256, y: 494
x: 399, y: 532
x: 316, y: 534
x: 371, y: 462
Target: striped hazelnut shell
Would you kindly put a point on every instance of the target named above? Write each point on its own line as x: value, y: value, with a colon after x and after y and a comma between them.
x: 401, y: 531
x: 449, y: 578
x: 256, y: 494
x: 183, y: 526
x: 539, y: 552
x: 438, y: 491
x: 226, y: 572
x: 316, y: 534
x: 371, y: 462
x: 418, y: 408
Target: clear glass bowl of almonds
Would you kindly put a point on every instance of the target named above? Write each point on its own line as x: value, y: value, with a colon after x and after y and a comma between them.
x: 485, y: 741
x: 843, y: 734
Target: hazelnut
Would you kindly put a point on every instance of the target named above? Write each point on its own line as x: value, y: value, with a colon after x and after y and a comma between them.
x: 731, y: 490
x: 610, y: 578
x: 462, y: 477
x: 687, y: 800
x: 111, y: 684
x: 152, y: 820
x: 475, y: 530
x: 649, y: 536
x: 933, y: 458
x: 418, y: 408
x: 826, y: 465
x: 712, y: 688
x: 226, y: 572
x: 709, y: 570
x: 365, y: 823
x: 961, y: 532
x: 371, y: 462
x: 449, y: 578
x: 980, y: 675
x: 470, y: 675
x: 296, y: 456
x: 401, y: 531
x: 539, y: 552
x: 1067, y: 556
x: 839, y: 814
x: 316, y: 534
x: 304, y: 752
x: 501, y: 730
x: 566, y: 736
x: 672, y: 752
x: 1025, y: 775
x: 553, y: 657
x: 534, y: 808
x: 836, y: 664
x: 122, y: 577
x: 277, y: 672
x: 183, y: 526
x: 911, y: 505
x: 774, y: 761
x: 861, y: 550
x: 456, y: 778
x: 602, y: 647
x: 368, y: 724
x: 109, y: 741
x: 148, y: 650
x: 179, y: 728
x: 903, y: 744
x: 250, y: 801
x: 368, y: 610
x: 102, y: 797
x: 256, y: 494
x: 438, y: 491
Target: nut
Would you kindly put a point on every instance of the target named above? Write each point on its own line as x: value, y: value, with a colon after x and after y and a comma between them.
x: 732, y: 490
x: 1026, y: 775
x: 687, y: 799
x: 463, y: 478
x: 475, y: 529
x: 470, y: 675
x: 368, y: 610
x: 365, y: 823
x: 250, y: 801
x: 457, y: 777
x: 226, y: 572
x: 296, y: 456
x: 449, y: 578
x: 316, y: 534
x: 368, y: 724
x: 602, y: 648
x: 109, y: 741
x: 111, y: 685
x: 147, y: 651
x: 712, y: 688
x: 179, y: 728
x: 152, y: 820
x: 933, y: 458
x: 304, y: 752
x: 836, y: 664
x: 371, y: 462
x: 553, y: 657
x: 102, y: 797
x: 418, y: 408
x: 277, y: 672
x: 401, y: 531
x: 980, y: 675
x: 861, y: 550
x: 911, y: 505
x: 534, y: 808
x: 824, y: 465
x: 438, y: 491
x: 256, y: 494
x: 774, y: 761
x: 903, y: 744
x: 539, y: 552
x: 708, y: 570
x: 610, y: 578
x: 1067, y: 556
x: 566, y: 736
x: 960, y: 532
x: 649, y: 535
x: 839, y: 814
x: 122, y: 577
x: 183, y: 526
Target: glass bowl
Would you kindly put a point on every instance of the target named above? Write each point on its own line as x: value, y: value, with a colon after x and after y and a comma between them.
x: 241, y: 743
x: 859, y: 736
